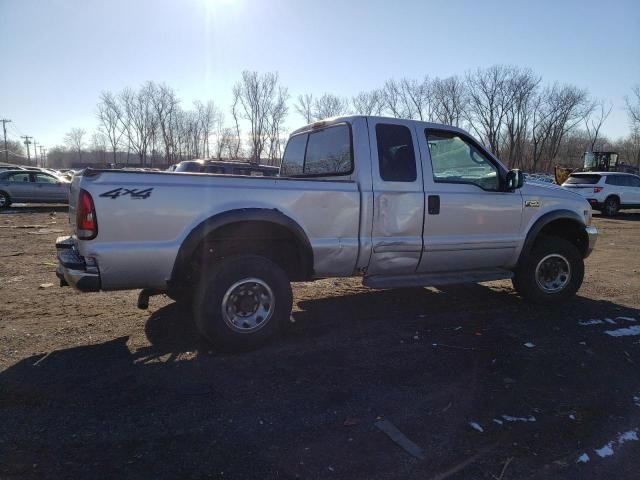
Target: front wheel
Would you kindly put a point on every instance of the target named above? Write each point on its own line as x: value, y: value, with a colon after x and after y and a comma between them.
x: 611, y: 207
x: 552, y: 272
x: 242, y: 302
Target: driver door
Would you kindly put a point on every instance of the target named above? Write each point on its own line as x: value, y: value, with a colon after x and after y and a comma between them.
x: 470, y: 223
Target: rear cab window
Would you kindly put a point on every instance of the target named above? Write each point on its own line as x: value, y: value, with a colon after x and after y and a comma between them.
x: 396, y: 157
x: 584, y: 179
x: 319, y: 153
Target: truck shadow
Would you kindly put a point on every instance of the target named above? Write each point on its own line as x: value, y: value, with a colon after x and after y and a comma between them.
x: 626, y: 215
x: 430, y: 360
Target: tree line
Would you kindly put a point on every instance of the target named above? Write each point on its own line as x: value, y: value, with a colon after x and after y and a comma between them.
x: 526, y: 122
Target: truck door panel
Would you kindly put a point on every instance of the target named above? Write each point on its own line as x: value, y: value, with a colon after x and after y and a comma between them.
x: 398, y: 197
x: 477, y: 226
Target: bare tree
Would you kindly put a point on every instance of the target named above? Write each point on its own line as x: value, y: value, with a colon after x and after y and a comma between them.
x: 594, y: 121
x: 523, y: 86
x: 139, y: 119
x: 165, y: 104
x: 329, y: 105
x: 489, y: 101
x: 391, y: 98
x: 99, y: 143
x: 110, y: 116
x: 633, y: 107
x: 277, y: 114
x: 367, y: 103
x: 257, y: 96
x: 74, y: 139
x: 450, y: 100
x: 304, y: 107
x: 556, y: 111
x: 633, y: 110
x: 235, y: 112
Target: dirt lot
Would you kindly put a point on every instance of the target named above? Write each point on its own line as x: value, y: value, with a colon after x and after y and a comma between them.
x: 92, y: 387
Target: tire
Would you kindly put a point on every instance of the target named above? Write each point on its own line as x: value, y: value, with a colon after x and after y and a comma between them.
x: 611, y: 207
x: 5, y: 200
x: 551, y: 273
x: 257, y: 294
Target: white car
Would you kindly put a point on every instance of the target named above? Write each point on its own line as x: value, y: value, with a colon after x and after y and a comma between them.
x: 606, y: 191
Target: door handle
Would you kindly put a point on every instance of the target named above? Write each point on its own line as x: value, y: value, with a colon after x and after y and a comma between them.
x: 433, y: 204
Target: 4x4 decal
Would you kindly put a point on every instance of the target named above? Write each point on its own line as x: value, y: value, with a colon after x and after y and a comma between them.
x: 132, y: 192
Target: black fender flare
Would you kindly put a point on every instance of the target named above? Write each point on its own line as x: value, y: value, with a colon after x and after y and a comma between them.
x: 202, y: 230
x: 542, y: 222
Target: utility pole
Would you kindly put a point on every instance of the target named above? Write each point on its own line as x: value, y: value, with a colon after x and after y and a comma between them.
x: 4, y: 127
x: 35, y: 151
x: 27, y: 142
x: 43, y: 152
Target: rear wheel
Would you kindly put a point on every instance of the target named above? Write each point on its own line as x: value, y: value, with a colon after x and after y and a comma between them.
x: 611, y: 207
x: 552, y: 272
x: 242, y: 302
x: 5, y: 200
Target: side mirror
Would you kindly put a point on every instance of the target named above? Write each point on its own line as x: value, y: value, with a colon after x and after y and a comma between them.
x: 514, y: 180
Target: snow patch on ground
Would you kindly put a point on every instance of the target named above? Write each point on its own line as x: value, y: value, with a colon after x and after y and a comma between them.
x: 586, y: 323
x: 622, y: 438
x: 476, y: 426
x: 605, y: 451
x: 509, y: 418
x: 631, y: 435
x: 584, y: 458
x: 499, y: 422
x: 624, y: 332
x: 636, y: 400
x: 596, y: 321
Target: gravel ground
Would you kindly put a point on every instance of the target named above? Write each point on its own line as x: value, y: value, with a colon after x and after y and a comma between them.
x: 485, y: 385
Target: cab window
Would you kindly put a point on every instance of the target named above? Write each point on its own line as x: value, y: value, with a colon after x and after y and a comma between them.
x: 396, y: 157
x: 324, y: 152
x: 455, y: 159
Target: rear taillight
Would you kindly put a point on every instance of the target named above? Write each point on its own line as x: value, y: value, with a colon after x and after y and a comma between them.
x: 86, y: 222
x: 597, y: 189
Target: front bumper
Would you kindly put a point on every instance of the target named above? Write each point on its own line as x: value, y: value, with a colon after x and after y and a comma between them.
x: 592, y: 235
x: 73, y: 269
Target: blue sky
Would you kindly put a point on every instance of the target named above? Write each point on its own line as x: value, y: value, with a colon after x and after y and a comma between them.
x: 58, y: 55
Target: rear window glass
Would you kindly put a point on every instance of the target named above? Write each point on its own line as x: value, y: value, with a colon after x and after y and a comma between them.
x: 320, y: 153
x: 396, y: 157
x: 293, y: 158
x: 583, y: 179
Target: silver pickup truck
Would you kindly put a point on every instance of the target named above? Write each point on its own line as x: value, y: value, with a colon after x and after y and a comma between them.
x: 398, y: 202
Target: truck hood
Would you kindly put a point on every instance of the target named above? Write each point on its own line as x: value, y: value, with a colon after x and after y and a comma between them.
x: 548, y: 190
x: 549, y: 195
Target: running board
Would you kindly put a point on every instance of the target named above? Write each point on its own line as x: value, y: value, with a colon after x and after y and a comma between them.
x: 436, y: 279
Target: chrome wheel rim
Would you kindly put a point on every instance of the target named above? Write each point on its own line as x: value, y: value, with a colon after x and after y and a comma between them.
x: 553, y: 273
x: 3, y: 200
x: 248, y: 305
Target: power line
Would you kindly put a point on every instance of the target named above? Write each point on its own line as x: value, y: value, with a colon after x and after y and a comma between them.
x: 43, y: 156
x: 35, y: 151
x: 27, y: 143
x: 4, y: 128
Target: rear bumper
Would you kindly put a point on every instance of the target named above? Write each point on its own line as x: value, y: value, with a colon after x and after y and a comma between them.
x: 592, y: 235
x: 73, y: 269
